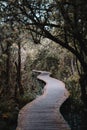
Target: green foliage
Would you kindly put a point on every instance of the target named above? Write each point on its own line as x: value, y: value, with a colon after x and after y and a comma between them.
x: 7, y: 105
x: 25, y: 99
x: 72, y: 84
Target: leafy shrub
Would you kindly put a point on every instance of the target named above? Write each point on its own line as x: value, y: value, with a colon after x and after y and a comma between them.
x: 25, y: 99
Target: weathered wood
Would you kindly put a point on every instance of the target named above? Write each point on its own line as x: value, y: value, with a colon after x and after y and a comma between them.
x: 44, y: 112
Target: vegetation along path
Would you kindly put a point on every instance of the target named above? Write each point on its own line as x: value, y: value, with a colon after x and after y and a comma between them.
x: 44, y: 112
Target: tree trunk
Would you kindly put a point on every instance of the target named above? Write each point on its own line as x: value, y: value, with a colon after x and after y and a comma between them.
x: 72, y: 66
x: 8, y: 68
x: 83, y: 83
x: 21, y: 91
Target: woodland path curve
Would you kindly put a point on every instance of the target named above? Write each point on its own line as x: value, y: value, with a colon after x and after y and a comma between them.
x: 44, y: 112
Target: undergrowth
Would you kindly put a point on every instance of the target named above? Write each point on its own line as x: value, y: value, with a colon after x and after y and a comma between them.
x: 10, y: 107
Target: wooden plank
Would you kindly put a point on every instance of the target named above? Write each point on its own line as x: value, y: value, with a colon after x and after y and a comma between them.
x: 44, y: 112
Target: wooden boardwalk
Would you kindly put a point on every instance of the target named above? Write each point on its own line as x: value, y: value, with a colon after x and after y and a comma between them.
x: 44, y: 112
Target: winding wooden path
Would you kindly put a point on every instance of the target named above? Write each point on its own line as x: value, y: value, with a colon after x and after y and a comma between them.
x: 44, y: 112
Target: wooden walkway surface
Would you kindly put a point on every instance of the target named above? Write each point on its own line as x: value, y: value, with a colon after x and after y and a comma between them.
x: 44, y: 112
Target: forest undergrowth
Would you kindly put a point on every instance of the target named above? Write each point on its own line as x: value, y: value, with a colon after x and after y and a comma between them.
x: 10, y: 107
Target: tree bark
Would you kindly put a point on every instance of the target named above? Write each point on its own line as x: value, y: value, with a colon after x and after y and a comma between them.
x: 21, y: 91
x: 83, y: 83
x: 8, y: 68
